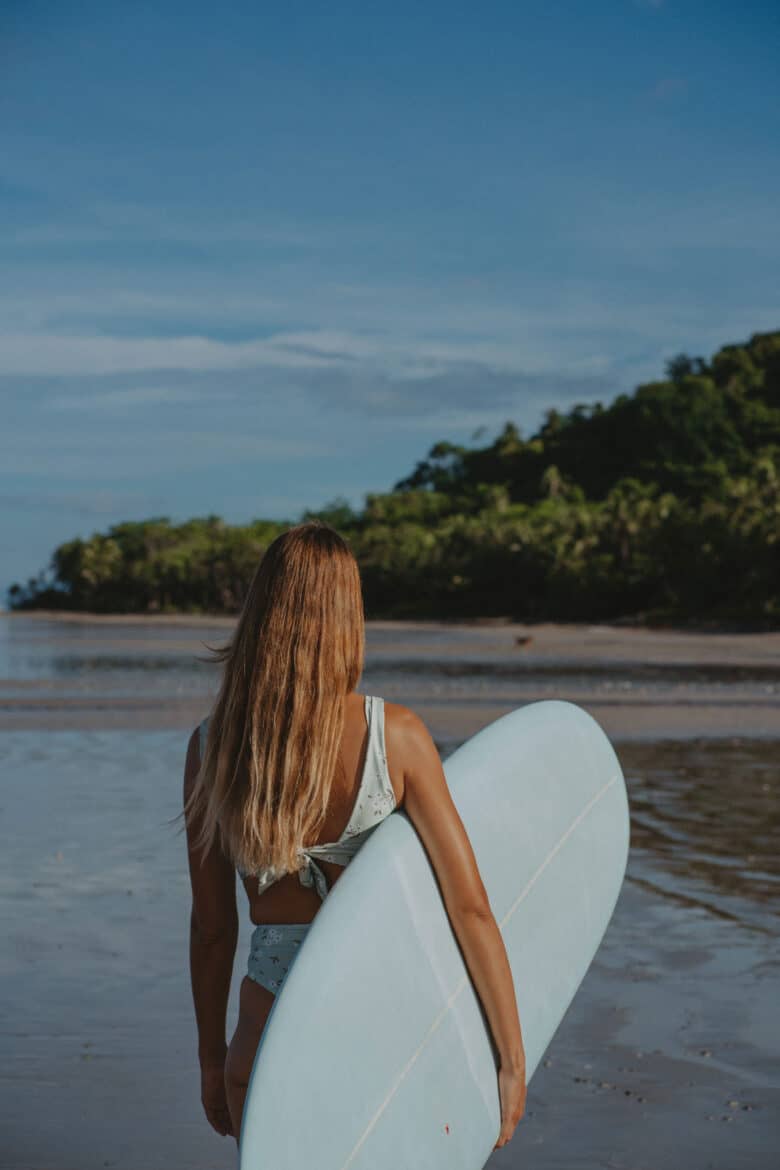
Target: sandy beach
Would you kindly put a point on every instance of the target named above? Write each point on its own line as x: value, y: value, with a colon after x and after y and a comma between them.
x: 668, y: 1055
x: 638, y: 683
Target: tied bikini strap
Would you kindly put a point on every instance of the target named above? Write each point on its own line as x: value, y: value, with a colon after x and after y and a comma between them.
x: 311, y: 876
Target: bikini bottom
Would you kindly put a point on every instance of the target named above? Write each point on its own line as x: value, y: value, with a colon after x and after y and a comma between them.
x: 272, y: 952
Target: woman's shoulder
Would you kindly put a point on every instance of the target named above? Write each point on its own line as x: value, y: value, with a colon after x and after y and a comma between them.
x: 402, y: 721
x: 405, y: 733
x: 398, y: 719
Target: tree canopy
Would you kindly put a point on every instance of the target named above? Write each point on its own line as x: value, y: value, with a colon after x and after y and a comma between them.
x: 663, y: 505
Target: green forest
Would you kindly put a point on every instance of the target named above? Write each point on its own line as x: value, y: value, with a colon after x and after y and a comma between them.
x: 661, y: 507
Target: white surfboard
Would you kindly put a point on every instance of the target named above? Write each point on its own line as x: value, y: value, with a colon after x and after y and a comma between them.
x: 377, y: 1054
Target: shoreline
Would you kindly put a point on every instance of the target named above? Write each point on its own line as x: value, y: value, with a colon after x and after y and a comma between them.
x: 604, y: 642
x: 633, y: 623
x: 638, y: 683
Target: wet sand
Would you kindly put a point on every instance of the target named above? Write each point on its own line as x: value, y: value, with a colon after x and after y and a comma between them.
x: 638, y: 683
x: 668, y: 1055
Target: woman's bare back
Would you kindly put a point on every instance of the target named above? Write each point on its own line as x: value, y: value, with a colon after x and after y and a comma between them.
x: 287, y: 901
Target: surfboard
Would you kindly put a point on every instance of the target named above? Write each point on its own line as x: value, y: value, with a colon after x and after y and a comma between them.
x: 377, y: 1053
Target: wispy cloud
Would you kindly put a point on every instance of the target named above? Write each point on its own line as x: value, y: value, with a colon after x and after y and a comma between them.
x: 52, y: 353
x: 98, y: 502
x: 467, y: 392
x: 129, y: 398
x: 276, y: 416
x: 135, y: 223
x: 149, y: 449
x: 41, y: 214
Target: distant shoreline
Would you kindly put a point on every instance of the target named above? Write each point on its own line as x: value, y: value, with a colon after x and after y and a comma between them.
x: 585, y: 642
x: 668, y: 683
x: 200, y: 619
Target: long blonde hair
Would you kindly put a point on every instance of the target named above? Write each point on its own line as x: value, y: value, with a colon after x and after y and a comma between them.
x: 272, y: 748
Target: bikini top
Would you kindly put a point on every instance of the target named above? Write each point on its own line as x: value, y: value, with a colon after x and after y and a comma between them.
x: 374, y: 802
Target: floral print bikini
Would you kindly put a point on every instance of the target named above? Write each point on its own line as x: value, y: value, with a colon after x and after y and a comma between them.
x: 274, y: 947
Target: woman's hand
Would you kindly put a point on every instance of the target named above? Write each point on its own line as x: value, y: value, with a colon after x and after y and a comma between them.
x: 511, y: 1088
x: 214, y: 1097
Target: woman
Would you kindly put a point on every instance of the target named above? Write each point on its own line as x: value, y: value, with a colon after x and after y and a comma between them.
x: 292, y: 754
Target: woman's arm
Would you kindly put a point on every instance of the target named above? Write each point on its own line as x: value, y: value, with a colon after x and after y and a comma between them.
x: 213, y: 938
x: 429, y: 803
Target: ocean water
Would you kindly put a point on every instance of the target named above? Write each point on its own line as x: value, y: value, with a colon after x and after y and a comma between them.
x: 668, y: 1055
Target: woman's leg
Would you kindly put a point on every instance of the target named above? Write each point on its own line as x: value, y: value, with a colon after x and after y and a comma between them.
x: 255, y: 1003
x: 271, y: 956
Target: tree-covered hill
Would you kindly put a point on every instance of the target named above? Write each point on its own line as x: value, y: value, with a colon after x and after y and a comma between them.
x: 662, y: 506
x: 684, y: 434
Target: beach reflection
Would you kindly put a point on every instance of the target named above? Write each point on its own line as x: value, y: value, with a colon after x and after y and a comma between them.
x: 704, y: 823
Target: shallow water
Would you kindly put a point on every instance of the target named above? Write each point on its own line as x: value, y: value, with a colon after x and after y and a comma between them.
x: 77, y: 658
x: 667, y: 1057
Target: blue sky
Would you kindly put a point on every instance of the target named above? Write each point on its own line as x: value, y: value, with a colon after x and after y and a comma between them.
x: 256, y: 257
